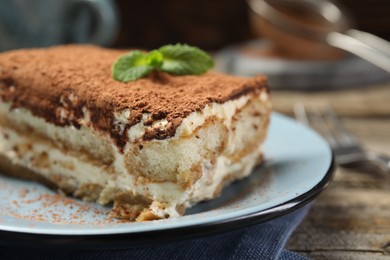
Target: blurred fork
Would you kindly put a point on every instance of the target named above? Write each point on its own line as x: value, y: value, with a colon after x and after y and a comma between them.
x: 346, y: 148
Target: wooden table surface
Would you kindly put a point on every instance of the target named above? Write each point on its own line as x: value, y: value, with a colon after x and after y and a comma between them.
x: 351, y: 218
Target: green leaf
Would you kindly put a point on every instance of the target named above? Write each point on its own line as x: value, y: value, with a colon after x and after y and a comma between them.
x: 155, y: 59
x: 179, y: 59
x: 182, y: 59
x: 133, y: 66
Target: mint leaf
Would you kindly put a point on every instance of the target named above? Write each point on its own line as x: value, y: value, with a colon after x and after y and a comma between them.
x: 182, y: 59
x: 133, y: 66
x: 155, y: 59
x: 179, y: 59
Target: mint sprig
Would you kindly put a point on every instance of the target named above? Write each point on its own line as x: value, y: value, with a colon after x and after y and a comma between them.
x: 178, y: 59
x: 131, y: 67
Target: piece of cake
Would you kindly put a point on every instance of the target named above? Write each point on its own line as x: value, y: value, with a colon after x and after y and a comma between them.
x: 153, y: 147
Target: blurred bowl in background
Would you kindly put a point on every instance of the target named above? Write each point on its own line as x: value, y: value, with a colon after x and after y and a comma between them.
x: 257, y: 57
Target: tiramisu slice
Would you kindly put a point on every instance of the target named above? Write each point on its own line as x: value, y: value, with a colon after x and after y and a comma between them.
x: 153, y: 146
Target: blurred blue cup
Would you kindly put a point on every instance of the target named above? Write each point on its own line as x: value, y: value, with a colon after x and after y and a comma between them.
x: 42, y: 23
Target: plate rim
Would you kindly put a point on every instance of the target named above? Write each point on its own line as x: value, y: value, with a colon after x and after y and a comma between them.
x: 126, y: 240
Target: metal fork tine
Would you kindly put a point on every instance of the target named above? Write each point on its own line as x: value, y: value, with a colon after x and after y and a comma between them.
x: 346, y: 148
x: 344, y: 136
x: 315, y: 120
x: 322, y: 126
x: 300, y: 113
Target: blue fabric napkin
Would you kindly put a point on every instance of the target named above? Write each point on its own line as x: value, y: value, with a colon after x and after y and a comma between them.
x: 262, y: 241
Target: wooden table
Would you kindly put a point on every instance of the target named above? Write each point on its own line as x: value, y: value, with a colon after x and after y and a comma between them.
x: 351, y: 218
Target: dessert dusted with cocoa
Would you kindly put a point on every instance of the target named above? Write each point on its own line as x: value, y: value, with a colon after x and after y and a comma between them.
x: 77, y: 77
x: 153, y: 146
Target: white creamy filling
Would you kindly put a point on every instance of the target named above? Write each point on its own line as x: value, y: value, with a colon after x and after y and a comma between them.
x: 85, y: 173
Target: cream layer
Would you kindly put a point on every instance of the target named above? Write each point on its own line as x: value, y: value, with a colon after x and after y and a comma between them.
x: 207, y: 151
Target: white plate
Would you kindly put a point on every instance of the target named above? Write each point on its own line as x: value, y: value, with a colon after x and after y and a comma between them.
x: 298, y: 166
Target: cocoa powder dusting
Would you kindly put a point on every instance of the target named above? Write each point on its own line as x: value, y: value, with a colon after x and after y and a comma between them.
x: 57, y: 83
